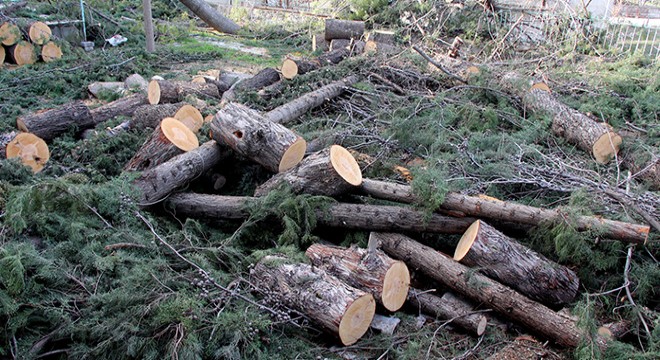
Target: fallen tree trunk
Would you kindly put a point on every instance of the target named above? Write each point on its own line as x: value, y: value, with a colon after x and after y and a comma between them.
x: 293, y: 67
x: 164, y: 91
x: 21, y: 53
x: 298, y: 107
x: 247, y: 132
x: 125, y: 106
x: 99, y: 87
x: 343, y: 29
x: 515, y: 265
x: 374, y: 272
x: 482, y: 289
x: 158, y: 182
x: 149, y: 116
x: 330, y: 172
x: 341, y: 310
x: 168, y: 140
x: 512, y: 212
x: 372, y: 47
x: 449, y: 307
x: 49, y: 124
x: 263, y: 78
x: 211, y: 16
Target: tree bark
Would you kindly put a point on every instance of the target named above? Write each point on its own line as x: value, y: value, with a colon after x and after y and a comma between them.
x: 341, y: 310
x: 374, y: 272
x: 3, y: 54
x: 330, y: 172
x: 149, y: 116
x: 482, y: 289
x: 211, y: 17
x: 298, y: 107
x: 343, y: 29
x: 251, y: 135
x: 160, y: 147
x: 164, y: 91
x: 21, y: 53
x: 48, y: 124
x: 125, y: 106
x: 293, y: 67
x: 449, y: 307
x: 263, y: 78
x: 515, y: 265
x: 508, y: 211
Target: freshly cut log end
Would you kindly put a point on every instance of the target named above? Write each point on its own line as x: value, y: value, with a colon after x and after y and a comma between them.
x: 541, y: 86
x: 10, y: 34
x: 481, y: 327
x: 467, y: 240
x: 395, y: 286
x: 51, y: 52
x: 179, y: 134
x: 293, y: 155
x: 30, y: 149
x: 191, y: 117
x: 343, y: 29
x: 23, y: 53
x: 606, y: 147
x: 356, y: 320
x: 39, y: 33
x: 153, y: 92
x: 345, y: 165
x: 289, y: 69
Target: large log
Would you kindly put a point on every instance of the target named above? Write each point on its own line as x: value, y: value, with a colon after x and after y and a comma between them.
x: 10, y: 34
x: 381, y: 36
x: 298, y: 107
x: 50, y: 52
x: 48, y: 124
x: 168, y: 140
x: 341, y: 310
x: 330, y: 172
x: 37, y: 32
x: 164, y: 91
x: 374, y: 272
x: 338, y: 215
x: 482, y: 289
x: 292, y: 67
x: 449, y: 307
x: 513, y: 264
x: 21, y: 53
x: 158, y: 182
x: 31, y: 150
x: 211, y: 16
x: 263, y: 78
x: 125, y: 106
x: 251, y: 135
x: 353, y: 46
x: 149, y: 116
x: 343, y: 29
x: 508, y: 211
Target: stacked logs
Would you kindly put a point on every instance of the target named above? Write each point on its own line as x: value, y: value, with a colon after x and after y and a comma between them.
x: 26, y: 41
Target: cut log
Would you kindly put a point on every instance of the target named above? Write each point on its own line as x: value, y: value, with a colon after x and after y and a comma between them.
x: 48, y: 124
x: 508, y: 211
x: 170, y: 139
x: 109, y: 131
x: 341, y: 310
x: 319, y: 43
x: 298, y: 107
x: 516, y: 265
x: 372, y: 47
x: 482, y: 289
x: 292, y: 67
x: 615, y: 330
x: 50, y: 52
x: 381, y: 36
x: 98, y: 87
x: 136, y: 82
x: 343, y: 29
x: 3, y: 54
x: 4, y: 140
x: 374, y: 272
x: 330, y: 172
x: 30, y: 149
x: 21, y: 53
x: 158, y: 182
x: 191, y: 117
x: 336, y: 44
x: 38, y: 33
x: 251, y: 135
x: 10, y: 34
x: 337, y: 215
x: 263, y: 78
x: 449, y: 307
x: 211, y: 16
x: 125, y: 106
x: 163, y: 91
x: 149, y: 116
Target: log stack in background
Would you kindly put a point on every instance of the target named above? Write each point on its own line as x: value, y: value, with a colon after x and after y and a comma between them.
x: 26, y: 41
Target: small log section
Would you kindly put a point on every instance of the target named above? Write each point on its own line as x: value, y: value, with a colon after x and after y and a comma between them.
x: 158, y: 182
x: 21, y: 53
x: 330, y: 172
x: 341, y: 310
x: 190, y: 116
x: 10, y: 34
x: 386, y: 279
x: 149, y: 116
x: 38, y: 32
x: 338, y: 215
x: 513, y: 264
x: 343, y: 29
x: 164, y: 91
x: 508, y: 211
x: 211, y: 16
x: 50, y: 52
x: 251, y: 135
x: 449, y: 307
x: 125, y: 106
x: 293, y: 67
x: 482, y: 289
x: 30, y: 149
x: 298, y: 107
x: 170, y: 139
x: 48, y: 124
x: 263, y: 78
x: 137, y: 82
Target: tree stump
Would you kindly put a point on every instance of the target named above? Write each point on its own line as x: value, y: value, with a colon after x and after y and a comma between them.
x: 515, y: 265
x: 329, y: 172
x: 10, y: 34
x: 374, y: 272
x: 21, y: 53
x: 169, y: 139
x: 343, y: 29
x: 449, y: 307
x: 30, y: 149
x: 341, y: 310
x: 50, y: 52
x: 191, y: 117
x: 48, y: 124
x: 251, y: 135
x: 163, y: 91
x: 149, y: 116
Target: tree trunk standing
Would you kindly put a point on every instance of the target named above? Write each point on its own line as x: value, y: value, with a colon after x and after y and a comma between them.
x: 149, y: 116
x: 50, y: 52
x: 251, y: 135
x: 263, y: 78
x: 386, y: 279
x: 170, y: 139
x: 21, y: 53
x: 125, y: 106
x: 148, y: 25
x: 48, y: 124
x: 10, y: 34
x: 449, y: 307
x: 343, y: 29
x: 482, y: 289
x: 298, y: 107
x: 509, y: 262
x: 508, y: 211
x: 330, y: 172
x: 211, y: 16
x: 158, y: 182
x: 341, y: 310
x: 164, y: 91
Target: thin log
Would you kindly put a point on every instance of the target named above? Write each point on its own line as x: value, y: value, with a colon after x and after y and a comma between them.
x: 292, y: 67
x: 263, y: 78
x: 164, y: 91
x: 343, y: 29
x: 211, y: 16
x: 168, y: 140
x: 449, y: 307
x: 10, y: 33
x: 48, y: 124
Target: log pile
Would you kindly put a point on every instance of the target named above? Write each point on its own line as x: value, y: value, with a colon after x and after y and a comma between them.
x: 25, y: 42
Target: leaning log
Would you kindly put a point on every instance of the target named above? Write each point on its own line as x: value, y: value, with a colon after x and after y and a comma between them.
x: 341, y: 310
x: 292, y: 67
x: 449, y: 307
x: 263, y: 78
x: 21, y: 53
x: 164, y: 91
x: 343, y: 29
x: 48, y: 124
x: 515, y: 265
x: 374, y: 272
x: 211, y: 16
x: 482, y: 289
x: 251, y: 135
x: 330, y: 172
x: 508, y: 211
x: 168, y: 140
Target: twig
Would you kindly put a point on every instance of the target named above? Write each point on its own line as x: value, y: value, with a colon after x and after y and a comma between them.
x: 438, y: 65
x: 626, y: 283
